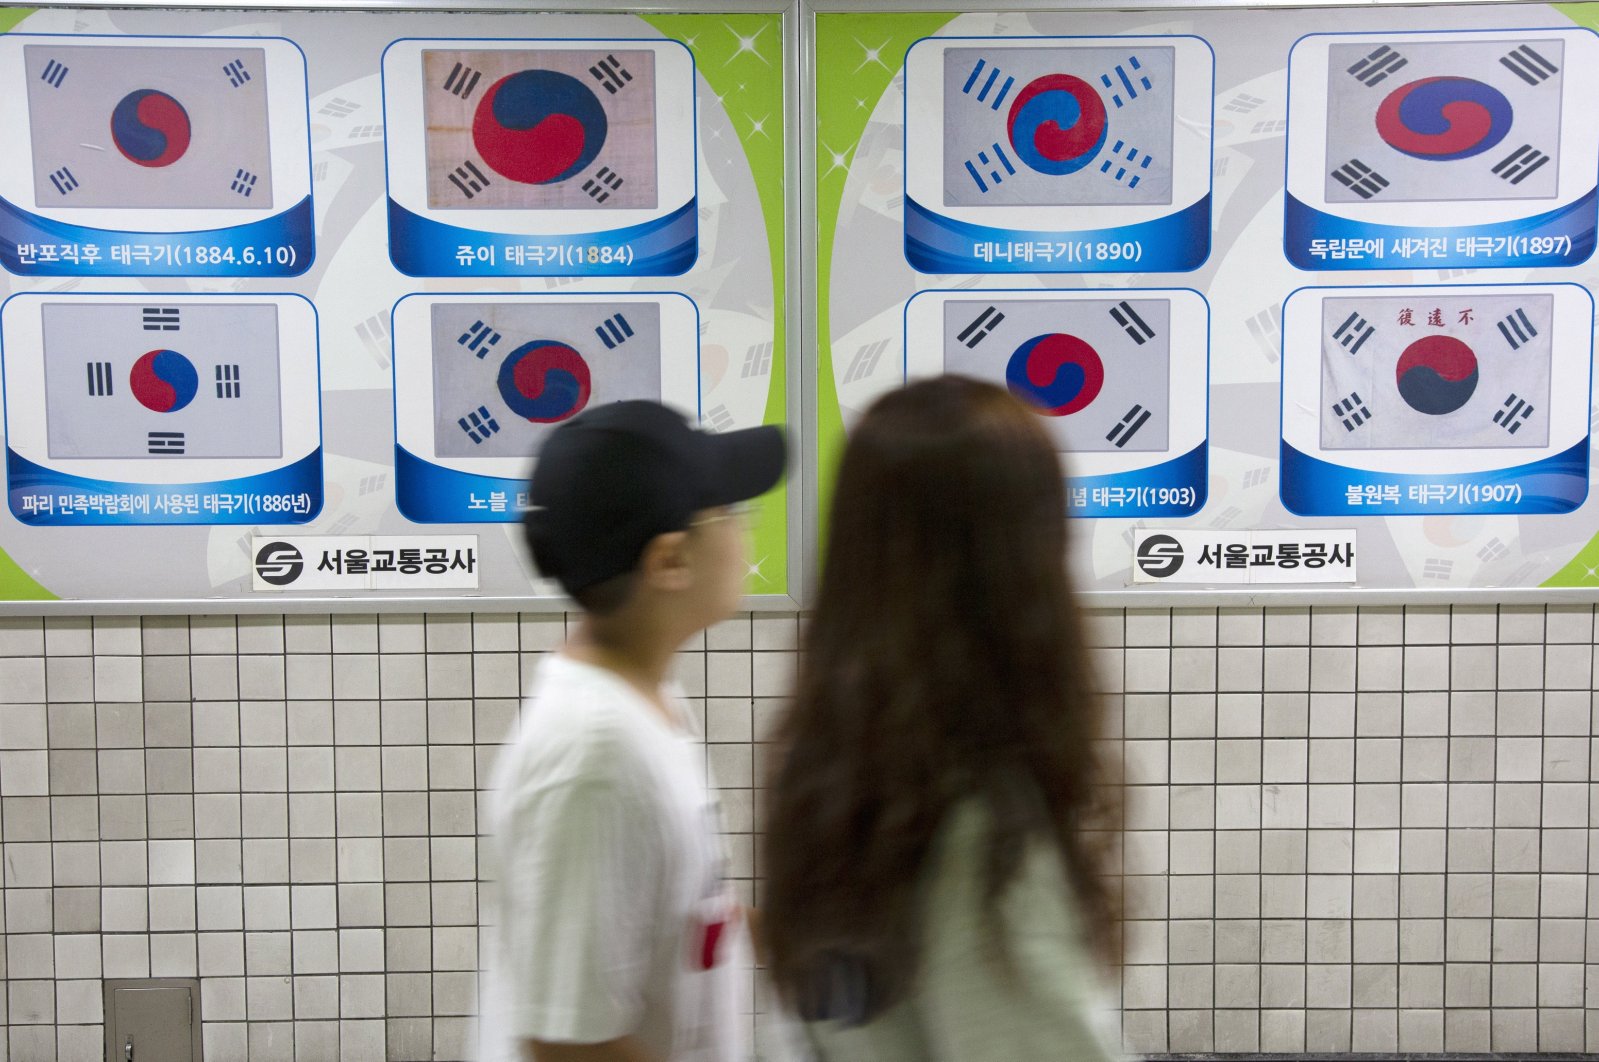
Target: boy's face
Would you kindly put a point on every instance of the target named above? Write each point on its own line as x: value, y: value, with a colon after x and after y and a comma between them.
x: 718, y: 551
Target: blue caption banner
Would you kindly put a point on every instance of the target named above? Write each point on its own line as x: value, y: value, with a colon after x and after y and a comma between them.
x: 665, y: 246
x: 1176, y: 243
x: 283, y: 245
x: 45, y: 497
x: 1310, y: 486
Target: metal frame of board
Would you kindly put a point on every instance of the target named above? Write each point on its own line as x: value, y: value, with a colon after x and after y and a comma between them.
x: 1130, y: 598
x: 798, y: 365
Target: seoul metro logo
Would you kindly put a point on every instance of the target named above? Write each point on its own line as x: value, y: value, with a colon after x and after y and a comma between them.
x: 279, y: 563
x: 1160, y: 556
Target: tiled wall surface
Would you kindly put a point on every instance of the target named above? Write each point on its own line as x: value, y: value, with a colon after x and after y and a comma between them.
x: 1347, y: 830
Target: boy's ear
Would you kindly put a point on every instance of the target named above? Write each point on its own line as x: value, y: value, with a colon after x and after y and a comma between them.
x: 664, y: 564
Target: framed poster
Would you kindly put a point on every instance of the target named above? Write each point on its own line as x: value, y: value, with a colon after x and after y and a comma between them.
x: 1357, y: 254
x: 150, y: 155
x: 1460, y: 148
x: 292, y: 297
x: 1011, y: 142
x: 481, y: 380
x: 541, y: 157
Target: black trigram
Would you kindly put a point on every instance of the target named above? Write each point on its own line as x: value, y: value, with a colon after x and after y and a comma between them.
x: 165, y: 443
x: 237, y: 74
x: 611, y: 74
x: 1513, y: 414
x: 161, y: 318
x: 1131, y: 421
x: 1126, y: 83
x: 1378, y: 65
x: 1437, y: 568
x: 1528, y: 65
x: 614, y: 331
x: 462, y: 81
x: 244, y: 182
x: 478, y: 338
x: 993, y: 167
x: 469, y: 179
x: 1353, y: 333
x: 54, y: 74
x: 228, y: 385
x: 1129, y: 161
x: 1360, y: 178
x: 100, y: 384
x: 1517, y: 329
x: 338, y: 107
x: 602, y: 184
x: 980, y: 327
x: 1243, y: 103
x: 63, y: 180
x: 988, y: 85
x: 1352, y: 411
x: 1135, y: 326
x: 479, y: 425
x: 1520, y: 163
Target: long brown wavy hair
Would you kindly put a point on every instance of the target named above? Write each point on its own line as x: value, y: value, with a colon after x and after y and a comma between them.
x: 945, y: 659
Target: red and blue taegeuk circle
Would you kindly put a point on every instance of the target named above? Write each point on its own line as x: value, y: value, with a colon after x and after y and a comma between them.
x: 1441, y: 119
x: 1436, y: 375
x: 164, y: 381
x: 539, y: 126
x: 545, y: 381
x: 150, y: 128
x: 1057, y: 124
x: 1056, y: 372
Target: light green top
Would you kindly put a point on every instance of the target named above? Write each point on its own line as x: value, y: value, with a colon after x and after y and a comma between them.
x: 966, y: 1005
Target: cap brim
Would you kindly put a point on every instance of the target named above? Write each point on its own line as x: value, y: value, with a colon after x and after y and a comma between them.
x: 744, y: 464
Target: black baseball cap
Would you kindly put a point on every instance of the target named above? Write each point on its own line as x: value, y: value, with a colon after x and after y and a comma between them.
x: 615, y: 476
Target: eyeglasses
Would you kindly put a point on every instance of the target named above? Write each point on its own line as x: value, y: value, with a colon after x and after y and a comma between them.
x: 741, y: 511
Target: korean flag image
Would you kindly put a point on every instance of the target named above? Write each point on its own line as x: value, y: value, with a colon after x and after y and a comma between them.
x: 1459, y: 120
x: 1057, y: 126
x: 1098, y: 371
x: 1007, y: 138
x: 162, y: 381
x: 149, y: 127
x: 1450, y: 372
x: 556, y: 129
x: 1481, y: 134
x: 503, y: 376
x: 1117, y: 378
x: 158, y: 156
x: 480, y: 381
x: 1440, y: 399
x: 159, y: 393
x: 569, y: 157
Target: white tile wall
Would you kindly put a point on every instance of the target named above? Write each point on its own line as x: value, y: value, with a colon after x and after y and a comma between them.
x: 1348, y: 829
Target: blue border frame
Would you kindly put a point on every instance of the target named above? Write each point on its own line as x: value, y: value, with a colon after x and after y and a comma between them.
x: 404, y: 460
x: 308, y: 204
x: 1174, y: 222
x: 317, y: 453
x: 1453, y: 231
x: 1199, y: 456
x: 599, y: 236
x: 1551, y: 464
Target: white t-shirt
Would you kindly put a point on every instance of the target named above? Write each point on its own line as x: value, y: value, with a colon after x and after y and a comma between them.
x: 612, y: 916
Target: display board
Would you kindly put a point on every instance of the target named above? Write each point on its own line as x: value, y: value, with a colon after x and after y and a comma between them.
x: 294, y: 297
x: 1302, y: 296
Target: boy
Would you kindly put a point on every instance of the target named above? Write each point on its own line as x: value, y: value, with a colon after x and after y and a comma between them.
x: 615, y: 936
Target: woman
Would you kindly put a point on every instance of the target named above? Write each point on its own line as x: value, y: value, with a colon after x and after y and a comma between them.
x: 937, y: 879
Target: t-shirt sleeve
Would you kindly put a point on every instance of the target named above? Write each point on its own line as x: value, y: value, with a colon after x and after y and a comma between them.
x: 1041, y: 1001
x: 580, y: 865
